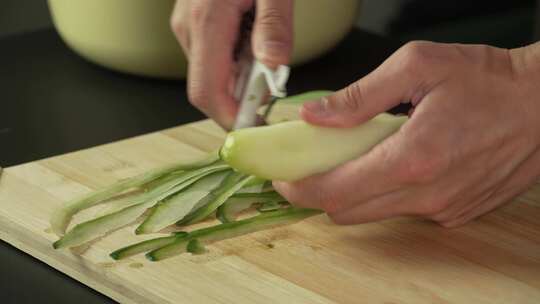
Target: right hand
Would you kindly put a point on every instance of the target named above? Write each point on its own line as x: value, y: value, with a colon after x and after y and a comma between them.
x: 208, y: 31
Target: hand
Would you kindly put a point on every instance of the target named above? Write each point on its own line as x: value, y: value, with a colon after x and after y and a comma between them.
x: 471, y: 143
x: 208, y: 31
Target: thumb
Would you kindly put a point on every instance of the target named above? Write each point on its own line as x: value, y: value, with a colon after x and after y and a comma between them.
x: 273, y: 32
x: 406, y: 76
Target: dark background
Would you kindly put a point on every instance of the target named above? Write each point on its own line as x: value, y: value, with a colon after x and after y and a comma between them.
x: 498, y: 22
x: 51, y: 99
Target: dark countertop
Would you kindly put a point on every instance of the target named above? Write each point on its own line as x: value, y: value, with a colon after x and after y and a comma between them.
x: 53, y: 102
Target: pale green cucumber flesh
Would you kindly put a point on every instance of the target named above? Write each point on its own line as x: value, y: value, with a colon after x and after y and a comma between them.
x: 229, y: 230
x: 294, y: 150
x: 62, y: 216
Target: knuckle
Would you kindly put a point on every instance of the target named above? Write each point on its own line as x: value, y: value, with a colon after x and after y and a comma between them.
x: 353, y: 97
x: 201, y: 13
x: 198, y: 95
x: 424, y: 165
x: 273, y: 22
x: 178, y: 27
x: 414, y: 55
x: 272, y: 17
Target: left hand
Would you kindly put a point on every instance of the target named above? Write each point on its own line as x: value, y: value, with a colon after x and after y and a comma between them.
x: 471, y: 144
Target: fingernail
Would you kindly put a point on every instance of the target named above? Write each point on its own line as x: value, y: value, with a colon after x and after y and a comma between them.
x: 317, y: 108
x: 272, y: 51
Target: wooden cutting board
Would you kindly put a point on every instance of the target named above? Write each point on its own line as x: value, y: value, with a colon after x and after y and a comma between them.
x: 493, y: 260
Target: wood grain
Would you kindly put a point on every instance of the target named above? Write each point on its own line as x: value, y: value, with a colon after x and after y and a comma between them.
x: 495, y: 259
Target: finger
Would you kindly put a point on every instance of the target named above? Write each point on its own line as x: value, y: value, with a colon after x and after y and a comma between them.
x: 179, y: 24
x: 273, y: 32
x: 377, y: 209
x: 213, y: 32
x: 356, y: 181
x: 406, y: 76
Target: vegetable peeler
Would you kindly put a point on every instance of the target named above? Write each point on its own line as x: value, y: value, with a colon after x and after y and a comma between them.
x: 255, y: 82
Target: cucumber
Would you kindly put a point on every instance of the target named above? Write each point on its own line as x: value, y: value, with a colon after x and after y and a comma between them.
x: 229, y: 230
x: 62, y: 216
x: 241, y: 201
x: 230, y: 185
x: 173, y: 209
x: 294, y: 150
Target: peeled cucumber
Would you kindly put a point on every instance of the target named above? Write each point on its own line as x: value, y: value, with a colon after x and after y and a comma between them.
x: 294, y: 150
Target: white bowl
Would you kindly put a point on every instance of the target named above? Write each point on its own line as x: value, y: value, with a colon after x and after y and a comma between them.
x: 133, y: 36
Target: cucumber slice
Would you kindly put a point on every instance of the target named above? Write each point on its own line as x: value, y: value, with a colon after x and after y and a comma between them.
x: 195, y: 247
x: 98, y: 227
x: 241, y: 201
x: 62, y: 216
x: 230, y: 185
x: 293, y: 150
x: 176, y: 207
x: 229, y: 230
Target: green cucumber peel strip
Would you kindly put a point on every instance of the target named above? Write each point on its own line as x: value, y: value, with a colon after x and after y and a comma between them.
x: 100, y: 226
x: 241, y: 201
x: 146, y: 246
x: 229, y: 230
x: 234, y: 182
x: 165, y: 189
x: 159, y: 186
x: 176, y: 207
x: 194, y: 246
x: 270, y: 206
x: 62, y: 216
x: 141, y: 247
